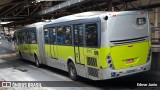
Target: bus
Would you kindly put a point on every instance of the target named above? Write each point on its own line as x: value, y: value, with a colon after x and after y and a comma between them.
x: 96, y: 45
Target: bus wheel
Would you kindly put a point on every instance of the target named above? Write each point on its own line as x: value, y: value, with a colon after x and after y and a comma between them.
x: 37, y: 61
x: 72, y: 71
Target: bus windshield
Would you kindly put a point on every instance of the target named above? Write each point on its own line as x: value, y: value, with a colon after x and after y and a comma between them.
x: 128, y: 27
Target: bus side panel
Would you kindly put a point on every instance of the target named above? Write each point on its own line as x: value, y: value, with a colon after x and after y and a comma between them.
x: 34, y: 50
x: 47, y: 51
x: 104, y: 51
x: 65, y: 52
x: 25, y: 52
x: 20, y: 48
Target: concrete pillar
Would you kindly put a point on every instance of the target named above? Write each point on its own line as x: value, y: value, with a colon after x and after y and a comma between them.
x: 156, y: 18
x: 156, y: 24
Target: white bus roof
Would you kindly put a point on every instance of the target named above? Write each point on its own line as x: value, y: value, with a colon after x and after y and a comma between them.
x: 90, y: 14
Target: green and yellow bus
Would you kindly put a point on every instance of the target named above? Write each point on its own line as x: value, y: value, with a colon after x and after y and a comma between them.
x: 96, y: 45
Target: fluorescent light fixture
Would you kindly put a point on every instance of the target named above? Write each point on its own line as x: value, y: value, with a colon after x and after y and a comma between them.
x: 49, y: 0
x: 6, y: 22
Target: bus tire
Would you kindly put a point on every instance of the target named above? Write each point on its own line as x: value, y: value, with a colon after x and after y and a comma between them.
x: 72, y: 71
x: 37, y: 61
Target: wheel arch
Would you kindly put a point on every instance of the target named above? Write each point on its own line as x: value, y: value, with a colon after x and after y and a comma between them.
x: 70, y: 64
x: 70, y: 59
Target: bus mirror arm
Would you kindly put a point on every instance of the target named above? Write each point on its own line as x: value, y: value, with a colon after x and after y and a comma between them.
x: 105, y: 18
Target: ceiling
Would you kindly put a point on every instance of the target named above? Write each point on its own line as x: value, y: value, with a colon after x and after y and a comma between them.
x: 22, y: 12
x: 7, y: 6
x: 4, y: 3
x: 19, y: 10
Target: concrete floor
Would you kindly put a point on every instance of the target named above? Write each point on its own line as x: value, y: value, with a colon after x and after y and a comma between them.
x: 13, y: 69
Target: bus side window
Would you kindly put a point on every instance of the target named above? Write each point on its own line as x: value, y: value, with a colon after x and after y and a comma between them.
x: 33, y: 37
x: 21, y: 37
x: 46, y: 36
x: 67, y: 35
x: 78, y: 32
x: 53, y: 35
x: 60, y: 36
x: 15, y: 37
x: 18, y: 38
x: 91, y: 35
x: 24, y: 37
x: 28, y: 37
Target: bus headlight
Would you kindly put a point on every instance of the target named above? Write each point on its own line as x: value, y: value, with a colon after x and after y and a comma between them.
x: 109, y: 61
x: 149, y: 55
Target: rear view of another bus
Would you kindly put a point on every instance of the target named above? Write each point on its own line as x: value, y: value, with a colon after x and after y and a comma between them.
x: 125, y: 44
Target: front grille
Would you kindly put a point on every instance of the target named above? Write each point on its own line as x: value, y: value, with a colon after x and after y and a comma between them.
x: 92, y: 61
x: 93, y: 72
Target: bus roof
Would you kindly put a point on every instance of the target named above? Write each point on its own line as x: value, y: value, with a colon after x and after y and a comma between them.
x: 91, y: 14
x: 32, y: 25
x: 78, y: 16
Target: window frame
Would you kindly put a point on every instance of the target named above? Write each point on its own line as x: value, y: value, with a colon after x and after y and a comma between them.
x: 98, y: 35
x: 58, y: 34
x: 80, y: 45
x: 53, y: 42
x: 48, y: 36
x: 57, y: 37
x: 31, y: 32
x: 70, y: 44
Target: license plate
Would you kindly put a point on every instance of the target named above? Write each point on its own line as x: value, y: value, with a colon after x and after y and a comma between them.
x: 131, y: 71
x: 130, y: 61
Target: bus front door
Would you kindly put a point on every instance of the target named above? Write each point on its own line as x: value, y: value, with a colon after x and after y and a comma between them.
x: 53, y: 49
x: 78, y: 44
